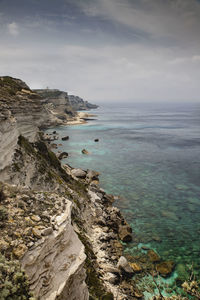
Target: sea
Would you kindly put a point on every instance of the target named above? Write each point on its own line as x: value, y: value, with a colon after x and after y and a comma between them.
x: 149, y: 155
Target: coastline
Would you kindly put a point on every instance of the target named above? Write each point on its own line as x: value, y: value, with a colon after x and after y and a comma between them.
x: 49, y: 218
x: 56, y: 222
x: 80, y: 118
x: 106, y: 228
x: 162, y: 266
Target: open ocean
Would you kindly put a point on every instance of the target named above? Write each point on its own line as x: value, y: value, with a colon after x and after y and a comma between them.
x: 149, y: 155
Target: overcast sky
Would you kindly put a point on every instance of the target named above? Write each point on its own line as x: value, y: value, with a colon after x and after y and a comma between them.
x: 104, y: 50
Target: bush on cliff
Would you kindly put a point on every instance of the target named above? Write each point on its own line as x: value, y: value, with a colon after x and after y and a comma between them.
x: 14, y: 284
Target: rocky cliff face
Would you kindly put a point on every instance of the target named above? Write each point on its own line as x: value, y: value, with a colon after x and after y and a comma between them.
x: 62, y: 105
x: 42, y: 237
x: 58, y: 102
x: 61, y: 229
x: 79, y: 104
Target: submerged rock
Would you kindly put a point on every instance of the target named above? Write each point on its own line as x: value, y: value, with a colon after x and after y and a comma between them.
x: 182, y: 272
x: 153, y: 256
x: 165, y: 268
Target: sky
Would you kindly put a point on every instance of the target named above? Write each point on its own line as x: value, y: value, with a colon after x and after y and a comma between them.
x: 104, y: 50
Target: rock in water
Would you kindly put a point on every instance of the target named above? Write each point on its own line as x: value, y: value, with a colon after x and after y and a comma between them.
x: 63, y: 155
x: 136, y: 267
x: 125, y: 233
x: 65, y: 138
x: 165, y: 268
x: 124, y: 265
x: 153, y: 256
x: 84, y: 151
x: 96, y: 140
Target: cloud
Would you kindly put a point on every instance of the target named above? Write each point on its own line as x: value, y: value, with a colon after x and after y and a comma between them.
x: 177, y: 19
x: 13, y: 29
x: 93, y: 50
x: 126, y: 72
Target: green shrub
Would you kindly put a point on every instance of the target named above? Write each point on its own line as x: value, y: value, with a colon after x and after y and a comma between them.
x: 14, y: 283
x: 3, y: 213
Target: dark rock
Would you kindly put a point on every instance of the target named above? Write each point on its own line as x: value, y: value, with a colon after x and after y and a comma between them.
x: 125, y: 233
x: 65, y: 138
x: 84, y: 151
x: 145, y: 248
x: 54, y: 132
x: 101, y: 221
x: 63, y: 155
x: 96, y: 140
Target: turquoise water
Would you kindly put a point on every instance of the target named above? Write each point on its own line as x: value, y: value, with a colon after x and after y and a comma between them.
x: 150, y: 156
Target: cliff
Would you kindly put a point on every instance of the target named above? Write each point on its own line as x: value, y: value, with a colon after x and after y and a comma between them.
x: 79, y: 104
x: 59, y: 228
x: 64, y: 106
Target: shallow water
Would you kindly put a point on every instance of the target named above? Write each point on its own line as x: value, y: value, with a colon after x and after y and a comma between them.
x: 150, y: 156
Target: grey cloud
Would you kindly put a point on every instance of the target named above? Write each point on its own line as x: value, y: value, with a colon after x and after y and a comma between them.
x: 107, y: 49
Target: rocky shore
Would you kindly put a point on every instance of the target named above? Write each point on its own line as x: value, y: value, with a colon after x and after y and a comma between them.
x: 60, y: 235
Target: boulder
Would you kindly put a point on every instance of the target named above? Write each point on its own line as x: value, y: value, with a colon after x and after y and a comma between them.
x: 47, y: 231
x: 136, y: 267
x: 165, y: 268
x: 84, y: 151
x: 96, y: 140
x: 125, y: 233
x: 153, y: 256
x: 92, y: 175
x: 79, y: 173
x: 63, y: 155
x: 124, y: 266
x: 65, y: 138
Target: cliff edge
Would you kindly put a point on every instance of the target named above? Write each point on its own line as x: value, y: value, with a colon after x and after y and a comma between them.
x: 59, y: 234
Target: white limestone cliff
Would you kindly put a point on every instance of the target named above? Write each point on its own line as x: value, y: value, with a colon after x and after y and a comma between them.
x: 55, y: 265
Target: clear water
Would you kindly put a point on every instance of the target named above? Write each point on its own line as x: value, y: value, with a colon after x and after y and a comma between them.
x: 149, y: 155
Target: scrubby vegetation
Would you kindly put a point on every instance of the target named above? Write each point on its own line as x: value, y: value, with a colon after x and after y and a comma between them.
x: 14, y: 284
